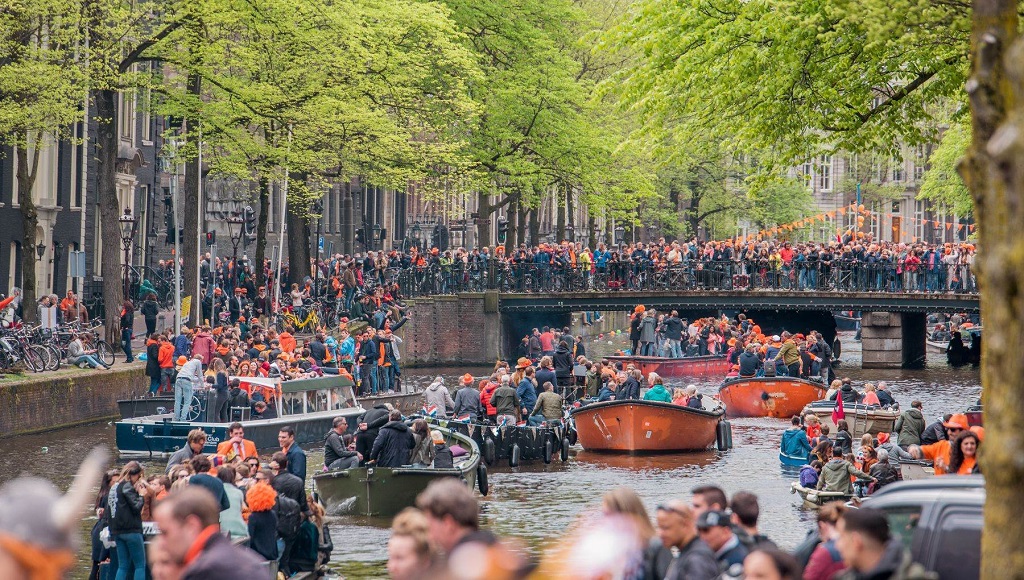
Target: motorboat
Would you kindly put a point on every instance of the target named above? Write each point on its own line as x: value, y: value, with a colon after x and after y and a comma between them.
x: 637, y: 426
x: 694, y: 366
x: 516, y: 443
x: 814, y: 498
x: 860, y: 418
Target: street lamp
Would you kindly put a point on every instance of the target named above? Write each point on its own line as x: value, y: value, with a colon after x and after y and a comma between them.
x: 40, y: 250
x: 415, y: 236
x: 127, y: 224
x: 377, y: 239
x: 235, y: 223
x: 620, y: 233
x: 570, y: 233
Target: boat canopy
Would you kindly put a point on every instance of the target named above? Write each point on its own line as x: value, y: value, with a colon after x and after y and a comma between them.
x: 301, y: 396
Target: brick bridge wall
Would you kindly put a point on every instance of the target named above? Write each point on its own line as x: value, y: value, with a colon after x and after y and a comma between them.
x: 452, y: 330
x: 67, y: 397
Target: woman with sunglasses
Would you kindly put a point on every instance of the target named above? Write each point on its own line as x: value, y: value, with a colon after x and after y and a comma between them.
x: 940, y: 452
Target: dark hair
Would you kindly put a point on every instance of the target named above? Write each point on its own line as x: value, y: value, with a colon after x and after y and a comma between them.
x: 916, y: 404
x: 201, y: 463
x: 956, y: 455
x: 226, y: 473
x: 744, y: 505
x: 235, y: 425
x: 281, y: 459
x: 394, y: 415
x: 837, y: 451
x: 450, y: 497
x: 795, y: 420
x: 870, y: 522
x: 842, y: 425
x: 287, y: 430
x: 193, y: 500
x: 786, y: 565
x: 712, y: 494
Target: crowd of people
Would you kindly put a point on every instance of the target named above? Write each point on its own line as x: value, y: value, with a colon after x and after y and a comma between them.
x: 707, y: 537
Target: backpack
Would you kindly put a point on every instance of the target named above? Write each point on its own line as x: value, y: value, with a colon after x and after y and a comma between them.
x: 289, y: 518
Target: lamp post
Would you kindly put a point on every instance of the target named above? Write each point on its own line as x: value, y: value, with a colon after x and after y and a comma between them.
x: 620, y: 233
x: 570, y: 233
x: 651, y: 230
x: 127, y: 224
x: 415, y: 234
x: 377, y: 239
x: 40, y: 250
x: 235, y: 223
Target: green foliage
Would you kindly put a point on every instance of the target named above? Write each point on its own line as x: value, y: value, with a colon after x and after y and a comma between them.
x: 779, y: 201
x: 789, y: 77
x: 942, y: 183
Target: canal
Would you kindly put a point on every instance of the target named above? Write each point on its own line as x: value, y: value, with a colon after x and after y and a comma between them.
x: 536, y: 503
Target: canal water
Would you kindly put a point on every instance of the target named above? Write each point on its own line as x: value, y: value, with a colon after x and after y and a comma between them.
x: 536, y: 503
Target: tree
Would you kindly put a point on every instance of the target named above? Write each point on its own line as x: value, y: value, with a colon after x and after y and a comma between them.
x: 942, y: 184
x: 40, y: 97
x: 792, y: 78
x: 994, y: 174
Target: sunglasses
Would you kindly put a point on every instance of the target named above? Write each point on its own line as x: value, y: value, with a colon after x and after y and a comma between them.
x: 666, y: 508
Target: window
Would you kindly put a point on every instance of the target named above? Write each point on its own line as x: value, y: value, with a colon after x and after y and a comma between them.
x: 145, y: 97
x: 825, y: 173
x: 897, y: 170
x: 957, y: 543
x: 903, y: 521
x: 126, y: 116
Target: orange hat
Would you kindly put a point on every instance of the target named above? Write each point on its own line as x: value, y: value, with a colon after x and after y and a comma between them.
x: 639, y: 308
x: 523, y: 362
x: 882, y: 438
x: 241, y: 319
x: 467, y: 379
x: 182, y: 360
x: 957, y: 421
x: 732, y: 342
x: 979, y: 431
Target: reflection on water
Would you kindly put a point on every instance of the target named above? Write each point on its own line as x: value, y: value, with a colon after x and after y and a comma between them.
x: 536, y: 502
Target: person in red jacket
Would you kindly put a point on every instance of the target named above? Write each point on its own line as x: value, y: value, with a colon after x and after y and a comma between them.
x: 203, y: 344
x: 487, y: 389
x: 165, y: 358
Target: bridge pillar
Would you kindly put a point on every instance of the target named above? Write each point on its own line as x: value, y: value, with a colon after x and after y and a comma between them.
x: 892, y: 340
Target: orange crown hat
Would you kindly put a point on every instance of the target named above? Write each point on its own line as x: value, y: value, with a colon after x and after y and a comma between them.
x: 639, y: 309
x: 181, y: 360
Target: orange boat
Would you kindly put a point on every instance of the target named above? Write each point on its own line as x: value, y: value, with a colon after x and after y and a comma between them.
x: 780, y: 397
x: 635, y: 426
x: 694, y: 366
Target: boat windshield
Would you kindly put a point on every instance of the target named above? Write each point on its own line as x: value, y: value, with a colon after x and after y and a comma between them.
x: 316, y: 395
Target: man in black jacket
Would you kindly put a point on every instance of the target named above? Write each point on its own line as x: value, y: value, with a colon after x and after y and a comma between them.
x: 673, y: 335
x: 630, y: 388
x: 393, y: 443
x: 317, y: 349
x: 749, y: 362
x: 336, y: 454
x: 290, y: 486
x: 368, y: 427
x: 368, y: 355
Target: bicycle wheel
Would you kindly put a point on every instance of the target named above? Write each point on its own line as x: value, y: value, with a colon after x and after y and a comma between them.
x: 33, y: 361
x: 104, y: 353
x: 194, y: 409
x: 50, y: 363
x: 57, y: 355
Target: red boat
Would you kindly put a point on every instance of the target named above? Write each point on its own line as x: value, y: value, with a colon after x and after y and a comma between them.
x: 694, y: 366
x: 635, y: 426
x: 780, y: 397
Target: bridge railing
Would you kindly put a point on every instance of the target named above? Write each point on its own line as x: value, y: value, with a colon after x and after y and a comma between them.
x: 760, y: 275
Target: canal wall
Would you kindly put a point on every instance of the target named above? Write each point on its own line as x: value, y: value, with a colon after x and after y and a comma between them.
x: 66, y: 397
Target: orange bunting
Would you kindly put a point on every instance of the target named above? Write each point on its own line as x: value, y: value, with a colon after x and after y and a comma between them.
x: 959, y: 227
x: 972, y: 227
x: 949, y: 226
x: 842, y: 211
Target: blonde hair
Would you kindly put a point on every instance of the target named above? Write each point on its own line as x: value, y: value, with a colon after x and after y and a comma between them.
x: 625, y: 501
x: 869, y: 387
x: 412, y: 523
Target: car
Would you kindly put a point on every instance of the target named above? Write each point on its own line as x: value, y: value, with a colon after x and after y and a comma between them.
x: 939, y: 519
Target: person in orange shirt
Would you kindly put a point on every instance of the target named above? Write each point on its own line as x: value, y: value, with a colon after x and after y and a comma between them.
x: 287, y: 340
x: 237, y: 447
x: 940, y: 452
x: 165, y: 358
x: 963, y: 454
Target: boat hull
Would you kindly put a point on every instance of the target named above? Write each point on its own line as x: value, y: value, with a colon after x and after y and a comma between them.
x: 385, y: 491
x: 769, y: 396
x: 697, y: 366
x: 407, y: 403
x: 645, y: 427
x: 845, y: 321
x: 934, y: 347
x: 497, y: 443
x: 860, y: 418
x: 791, y: 460
x: 814, y: 499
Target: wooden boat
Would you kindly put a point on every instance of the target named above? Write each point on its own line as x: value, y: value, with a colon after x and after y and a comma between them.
x: 385, y: 491
x: 694, y: 366
x: 516, y: 443
x: 636, y: 426
x: 814, y: 499
x: 780, y: 397
x: 861, y: 418
x: 308, y: 405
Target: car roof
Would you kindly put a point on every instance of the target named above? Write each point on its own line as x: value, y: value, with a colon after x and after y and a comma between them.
x: 932, y: 489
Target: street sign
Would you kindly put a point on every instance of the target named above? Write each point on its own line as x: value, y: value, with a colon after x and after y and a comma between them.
x: 77, y: 264
x: 484, y: 221
x: 320, y: 245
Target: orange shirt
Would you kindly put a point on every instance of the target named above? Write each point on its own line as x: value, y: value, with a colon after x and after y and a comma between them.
x: 939, y: 454
x: 287, y: 342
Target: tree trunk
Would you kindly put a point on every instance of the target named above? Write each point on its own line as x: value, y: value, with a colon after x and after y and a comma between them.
x: 514, y: 231
x: 994, y: 172
x: 592, y: 228
x: 561, y: 194
x: 570, y: 212
x: 261, y: 231
x: 190, y: 250
x: 520, y: 219
x: 484, y: 211
x: 27, y: 172
x: 534, y: 225
x: 108, y: 210
x: 298, y: 241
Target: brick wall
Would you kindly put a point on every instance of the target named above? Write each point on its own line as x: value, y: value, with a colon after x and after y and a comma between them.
x: 51, y: 401
x: 447, y: 330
